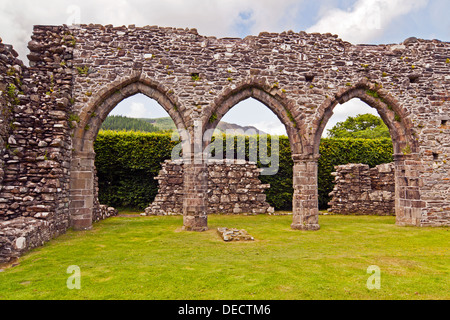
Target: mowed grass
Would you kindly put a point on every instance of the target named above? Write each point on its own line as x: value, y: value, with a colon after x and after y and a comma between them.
x: 151, y: 258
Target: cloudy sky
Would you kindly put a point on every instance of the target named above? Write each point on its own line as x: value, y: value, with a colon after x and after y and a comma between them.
x: 356, y: 21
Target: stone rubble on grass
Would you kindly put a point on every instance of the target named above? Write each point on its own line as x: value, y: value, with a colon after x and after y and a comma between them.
x: 234, y: 234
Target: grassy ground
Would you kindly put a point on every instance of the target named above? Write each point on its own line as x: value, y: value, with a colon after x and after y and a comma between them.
x: 151, y: 258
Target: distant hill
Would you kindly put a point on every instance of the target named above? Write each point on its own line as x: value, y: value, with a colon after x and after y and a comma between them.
x: 119, y: 123
x: 167, y: 124
x: 163, y: 124
x: 235, y: 128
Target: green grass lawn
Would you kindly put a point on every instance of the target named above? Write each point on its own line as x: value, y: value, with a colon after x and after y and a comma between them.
x: 151, y: 258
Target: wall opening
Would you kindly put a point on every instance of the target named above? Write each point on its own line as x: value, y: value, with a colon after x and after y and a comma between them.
x: 130, y: 147
x: 251, y: 114
x: 265, y: 138
x: 84, y: 204
x: 309, y: 78
x: 414, y: 78
x: 407, y: 197
x: 356, y: 134
x: 354, y: 108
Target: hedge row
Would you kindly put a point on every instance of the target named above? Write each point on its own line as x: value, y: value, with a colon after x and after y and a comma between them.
x: 128, y: 162
x: 336, y: 152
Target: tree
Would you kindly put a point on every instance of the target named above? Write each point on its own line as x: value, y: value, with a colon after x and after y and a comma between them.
x: 364, y: 126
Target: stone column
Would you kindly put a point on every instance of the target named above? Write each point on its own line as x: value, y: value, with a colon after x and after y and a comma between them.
x: 82, y: 190
x: 408, y: 204
x: 305, y: 202
x: 195, y: 180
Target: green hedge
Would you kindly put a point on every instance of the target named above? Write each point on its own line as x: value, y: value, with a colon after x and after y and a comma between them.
x: 342, y: 151
x: 128, y: 162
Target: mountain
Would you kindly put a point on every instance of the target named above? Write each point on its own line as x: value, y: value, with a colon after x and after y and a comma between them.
x: 235, y: 128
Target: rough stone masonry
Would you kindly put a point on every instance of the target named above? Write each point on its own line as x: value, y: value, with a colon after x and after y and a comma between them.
x: 233, y: 187
x: 359, y: 189
x: 52, y: 110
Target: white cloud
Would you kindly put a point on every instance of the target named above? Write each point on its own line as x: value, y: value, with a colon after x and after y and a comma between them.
x: 272, y: 16
x: 366, y: 20
x: 138, y: 110
x: 270, y: 127
x: 351, y: 108
x: 139, y: 106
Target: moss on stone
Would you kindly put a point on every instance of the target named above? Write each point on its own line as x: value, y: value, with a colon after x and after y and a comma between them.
x: 213, y: 118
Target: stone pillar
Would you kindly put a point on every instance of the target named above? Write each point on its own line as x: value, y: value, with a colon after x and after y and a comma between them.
x: 305, y: 202
x: 82, y: 190
x: 408, y: 204
x: 195, y: 180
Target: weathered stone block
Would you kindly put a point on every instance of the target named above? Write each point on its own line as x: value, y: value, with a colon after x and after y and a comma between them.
x: 234, y: 234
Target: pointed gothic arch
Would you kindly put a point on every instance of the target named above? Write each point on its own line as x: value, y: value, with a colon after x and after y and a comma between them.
x: 83, y: 193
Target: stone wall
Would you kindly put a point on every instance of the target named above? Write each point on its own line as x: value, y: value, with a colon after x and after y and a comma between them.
x: 36, y: 141
x: 363, y: 190
x: 19, y: 235
x: 10, y: 80
x: 233, y: 187
x: 36, y: 180
x: 301, y: 77
x: 30, y: 208
x: 77, y: 75
x: 104, y: 212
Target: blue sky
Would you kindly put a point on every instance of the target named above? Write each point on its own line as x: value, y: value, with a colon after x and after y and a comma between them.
x: 356, y: 21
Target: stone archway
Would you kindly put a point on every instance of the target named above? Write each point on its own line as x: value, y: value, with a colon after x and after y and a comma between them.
x: 279, y: 105
x: 408, y: 204
x: 83, y: 194
x: 304, y: 203
x: 84, y: 71
x: 389, y: 109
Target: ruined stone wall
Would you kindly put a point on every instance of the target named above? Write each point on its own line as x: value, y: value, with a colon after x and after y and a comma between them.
x: 233, y: 187
x: 10, y: 81
x: 104, y: 212
x: 78, y: 75
x: 299, y: 76
x: 11, y: 75
x: 169, y: 200
x: 362, y: 190
x: 35, y: 189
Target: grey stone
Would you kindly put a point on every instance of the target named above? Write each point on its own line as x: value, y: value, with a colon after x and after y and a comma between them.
x: 301, y: 77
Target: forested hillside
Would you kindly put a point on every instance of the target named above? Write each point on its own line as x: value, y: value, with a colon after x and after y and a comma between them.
x: 121, y: 123
x: 165, y: 124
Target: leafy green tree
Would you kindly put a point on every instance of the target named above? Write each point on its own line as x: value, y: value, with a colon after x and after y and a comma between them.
x: 363, y: 126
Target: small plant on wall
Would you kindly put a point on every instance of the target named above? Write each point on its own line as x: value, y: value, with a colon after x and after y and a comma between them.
x: 195, y: 76
x: 213, y: 118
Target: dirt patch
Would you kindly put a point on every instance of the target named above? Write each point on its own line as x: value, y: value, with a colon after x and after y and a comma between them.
x: 11, y: 264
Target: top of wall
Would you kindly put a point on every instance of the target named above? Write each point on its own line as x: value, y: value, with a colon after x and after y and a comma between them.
x: 192, y: 32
